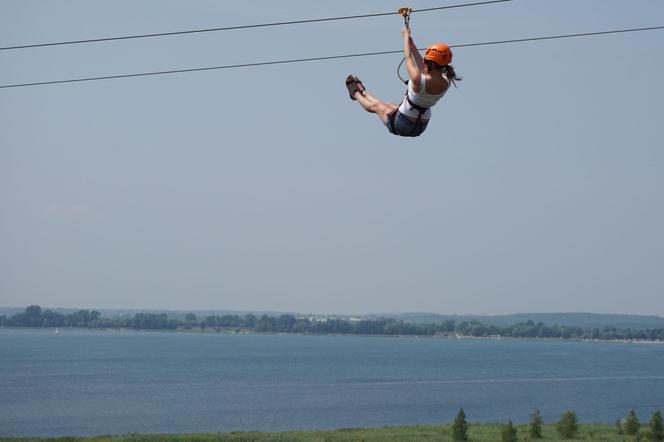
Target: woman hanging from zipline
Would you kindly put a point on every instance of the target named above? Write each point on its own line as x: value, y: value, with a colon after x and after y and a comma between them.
x: 428, y: 80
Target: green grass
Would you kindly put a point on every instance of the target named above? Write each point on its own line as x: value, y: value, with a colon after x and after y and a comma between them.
x: 406, y: 433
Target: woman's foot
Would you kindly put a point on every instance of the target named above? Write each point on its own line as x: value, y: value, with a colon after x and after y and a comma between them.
x: 359, y: 85
x: 354, y: 85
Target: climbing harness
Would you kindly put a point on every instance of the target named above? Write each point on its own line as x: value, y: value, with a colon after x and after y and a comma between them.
x: 420, y: 111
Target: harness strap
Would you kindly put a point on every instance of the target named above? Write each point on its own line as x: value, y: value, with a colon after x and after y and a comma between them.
x: 417, y: 107
x: 420, y: 110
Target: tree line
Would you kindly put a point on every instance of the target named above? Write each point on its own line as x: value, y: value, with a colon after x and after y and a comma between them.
x: 35, y: 316
x: 568, y: 427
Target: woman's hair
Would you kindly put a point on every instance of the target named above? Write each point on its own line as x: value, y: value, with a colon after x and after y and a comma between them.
x: 448, y: 70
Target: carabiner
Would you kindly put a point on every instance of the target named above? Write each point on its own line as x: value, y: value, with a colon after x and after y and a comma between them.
x: 405, y: 12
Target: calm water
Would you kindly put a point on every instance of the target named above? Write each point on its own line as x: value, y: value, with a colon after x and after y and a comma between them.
x: 87, y: 382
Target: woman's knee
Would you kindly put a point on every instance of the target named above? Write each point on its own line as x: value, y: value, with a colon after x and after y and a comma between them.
x: 386, y: 110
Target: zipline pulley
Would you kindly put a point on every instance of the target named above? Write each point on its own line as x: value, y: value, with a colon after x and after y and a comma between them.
x: 405, y: 12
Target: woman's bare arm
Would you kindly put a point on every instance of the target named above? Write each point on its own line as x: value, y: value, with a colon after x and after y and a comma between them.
x: 416, y: 55
x: 412, y: 66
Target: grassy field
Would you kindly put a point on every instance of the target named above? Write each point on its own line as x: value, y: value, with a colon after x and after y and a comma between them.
x: 439, y: 433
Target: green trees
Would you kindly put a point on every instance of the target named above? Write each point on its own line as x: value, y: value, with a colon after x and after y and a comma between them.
x: 52, y: 319
x: 631, y: 425
x: 655, y: 432
x: 32, y: 317
x: 568, y: 426
x: 508, y: 433
x: 266, y: 324
x: 152, y: 321
x: 535, y: 426
x: 82, y: 318
x: 250, y: 320
x: 460, y: 427
x: 228, y: 321
x: 285, y: 323
x: 190, y: 321
x: 35, y: 316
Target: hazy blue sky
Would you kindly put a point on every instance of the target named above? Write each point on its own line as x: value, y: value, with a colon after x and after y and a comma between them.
x: 538, y: 186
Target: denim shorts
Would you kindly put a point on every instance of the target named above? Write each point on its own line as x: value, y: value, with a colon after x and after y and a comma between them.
x: 399, y: 124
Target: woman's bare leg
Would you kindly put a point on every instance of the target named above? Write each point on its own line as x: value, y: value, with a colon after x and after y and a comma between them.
x: 369, y: 97
x: 368, y: 102
x: 386, y: 111
x: 374, y: 105
x: 360, y: 87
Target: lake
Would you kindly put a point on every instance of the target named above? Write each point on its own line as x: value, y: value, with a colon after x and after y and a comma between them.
x: 81, y: 382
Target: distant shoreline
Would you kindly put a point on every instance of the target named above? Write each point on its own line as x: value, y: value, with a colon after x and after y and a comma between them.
x: 231, y: 331
x: 35, y: 316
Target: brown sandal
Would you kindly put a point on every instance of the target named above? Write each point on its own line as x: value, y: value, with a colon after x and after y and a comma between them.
x: 351, y: 85
x: 358, y: 85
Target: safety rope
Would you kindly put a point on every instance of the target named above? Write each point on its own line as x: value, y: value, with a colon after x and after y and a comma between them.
x: 405, y: 12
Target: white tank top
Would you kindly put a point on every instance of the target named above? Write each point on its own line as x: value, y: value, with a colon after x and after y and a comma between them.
x: 421, y: 98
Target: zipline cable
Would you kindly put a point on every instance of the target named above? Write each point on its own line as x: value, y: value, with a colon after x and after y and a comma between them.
x: 331, y: 57
x: 232, y: 28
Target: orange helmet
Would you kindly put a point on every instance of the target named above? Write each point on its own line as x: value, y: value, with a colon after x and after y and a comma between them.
x: 439, y: 53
